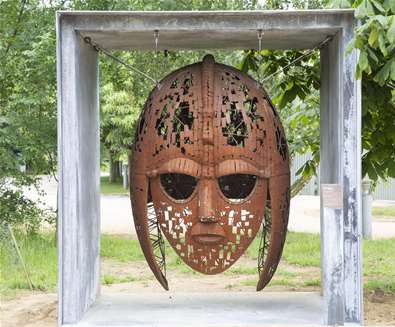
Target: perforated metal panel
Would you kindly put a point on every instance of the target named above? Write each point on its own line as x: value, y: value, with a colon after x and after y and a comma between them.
x: 209, y: 168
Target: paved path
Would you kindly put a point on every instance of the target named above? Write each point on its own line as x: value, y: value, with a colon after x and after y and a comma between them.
x: 116, y: 213
x: 305, y: 217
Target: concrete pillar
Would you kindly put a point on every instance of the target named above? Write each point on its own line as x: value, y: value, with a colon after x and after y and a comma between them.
x: 367, y: 199
x: 341, y: 164
x: 79, y: 173
x: 333, y: 253
x: 331, y: 171
x: 352, y: 176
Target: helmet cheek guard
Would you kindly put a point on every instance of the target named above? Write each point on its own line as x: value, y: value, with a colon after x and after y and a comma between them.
x: 209, y: 168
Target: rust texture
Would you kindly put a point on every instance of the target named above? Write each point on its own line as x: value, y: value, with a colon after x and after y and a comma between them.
x: 209, y: 167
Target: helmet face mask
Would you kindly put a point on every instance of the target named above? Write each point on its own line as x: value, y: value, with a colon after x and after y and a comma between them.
x: 206, y: 229
x: 209, y: 151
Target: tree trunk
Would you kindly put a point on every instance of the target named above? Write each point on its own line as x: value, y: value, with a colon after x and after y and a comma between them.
x: 115, y: 173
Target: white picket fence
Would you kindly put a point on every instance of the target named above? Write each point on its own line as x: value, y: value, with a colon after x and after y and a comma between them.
x: 383, y: 191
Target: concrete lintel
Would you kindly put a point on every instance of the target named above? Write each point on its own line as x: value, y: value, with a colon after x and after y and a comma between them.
x: 208, y: 29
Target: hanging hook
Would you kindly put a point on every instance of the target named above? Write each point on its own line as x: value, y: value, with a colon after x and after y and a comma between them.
x: 88, y: 40
x: 260, y: 34
x: 165, y: 60
x: 156, y: 37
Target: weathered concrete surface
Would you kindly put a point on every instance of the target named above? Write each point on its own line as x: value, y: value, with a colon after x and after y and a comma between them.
x: 79, y: 175
x: 205, y: 309
x: 340, y: 131
x: 301, y: 29
x: 332, y: 253
x: 351, y: 151
x: 331, y: 172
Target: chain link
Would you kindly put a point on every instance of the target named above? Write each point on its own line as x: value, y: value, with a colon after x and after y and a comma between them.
x: 307, y: 54
x: 99, y: 48
x: 260, y: 33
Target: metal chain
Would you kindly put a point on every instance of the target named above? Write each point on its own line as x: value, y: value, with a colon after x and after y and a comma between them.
x: 165, y: 60
x: 99, y: 48
x: 307, y: 54
x: 259, y: 34
x: 156, y: 38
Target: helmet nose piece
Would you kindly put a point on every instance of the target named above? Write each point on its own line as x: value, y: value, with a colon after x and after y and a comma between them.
x: 207, y: 230
x: 206, y: 210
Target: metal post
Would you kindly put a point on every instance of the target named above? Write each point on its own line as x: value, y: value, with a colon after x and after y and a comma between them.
x: 367, y: 209
x: 125, y: 175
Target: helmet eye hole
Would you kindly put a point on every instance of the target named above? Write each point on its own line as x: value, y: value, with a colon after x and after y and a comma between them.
x: 178, y: 186
x: 237, y: 187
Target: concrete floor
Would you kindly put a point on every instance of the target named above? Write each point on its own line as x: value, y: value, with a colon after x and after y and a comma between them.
x: 206, y: 310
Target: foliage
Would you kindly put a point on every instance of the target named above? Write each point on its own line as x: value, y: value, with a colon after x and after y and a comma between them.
x: 295, y: 92
x: 28, y: 80
x: 296, y: 89
x: 375, y: 39
x: 118, y: 118
x: 27, y: 107
x: 17, y: 210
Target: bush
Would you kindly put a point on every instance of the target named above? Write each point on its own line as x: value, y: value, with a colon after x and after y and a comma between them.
x: 21, y: 212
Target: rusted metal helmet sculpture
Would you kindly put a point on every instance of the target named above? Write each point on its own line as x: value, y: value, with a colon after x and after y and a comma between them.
x: 209, y: 167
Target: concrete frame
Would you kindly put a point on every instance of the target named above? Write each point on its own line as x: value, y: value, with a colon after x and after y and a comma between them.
x: 78, y: 134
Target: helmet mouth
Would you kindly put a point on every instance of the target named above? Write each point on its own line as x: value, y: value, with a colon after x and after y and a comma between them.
x: 208, y: 233
x: 208, y: 239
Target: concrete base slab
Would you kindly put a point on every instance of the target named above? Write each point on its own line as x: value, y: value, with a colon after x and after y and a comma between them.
x: 206, y: 309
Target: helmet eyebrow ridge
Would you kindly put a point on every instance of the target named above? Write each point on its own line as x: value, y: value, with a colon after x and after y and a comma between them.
x: 236, y: 166
x: 179, y: 165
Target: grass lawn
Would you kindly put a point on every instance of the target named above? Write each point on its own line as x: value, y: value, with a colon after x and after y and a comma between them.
x: 384, y: 211
x: 39, y: 253
x: 111, y: 188
x: 301, y: 251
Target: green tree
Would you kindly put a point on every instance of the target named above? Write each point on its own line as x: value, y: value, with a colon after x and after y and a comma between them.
x: 27, y: 106
x: 119, y: 114
x: 295, y: 90
x: 375, y: 39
